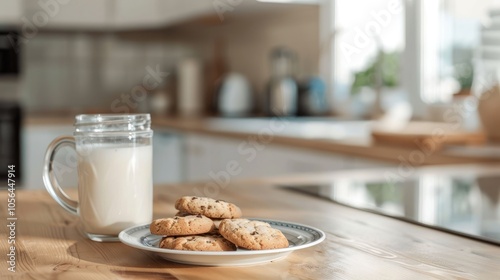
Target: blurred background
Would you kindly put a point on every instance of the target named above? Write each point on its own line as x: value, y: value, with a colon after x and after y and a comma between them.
x: 76, y: 56
x: 82, y: 55
x: 320, y: 62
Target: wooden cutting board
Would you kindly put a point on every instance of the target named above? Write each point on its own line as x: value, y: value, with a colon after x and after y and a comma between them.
x: 437, y: 135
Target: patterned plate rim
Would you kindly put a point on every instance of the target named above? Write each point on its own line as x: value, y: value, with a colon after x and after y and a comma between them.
x: 128, y: 234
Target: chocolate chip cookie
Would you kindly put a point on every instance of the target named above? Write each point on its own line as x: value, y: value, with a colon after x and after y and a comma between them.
x: 212, y: 208
x: 187, y: 225
x: 197, y: 243
x: 252, y: 235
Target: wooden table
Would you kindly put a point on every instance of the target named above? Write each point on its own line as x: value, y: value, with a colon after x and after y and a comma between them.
x: 359, y: 245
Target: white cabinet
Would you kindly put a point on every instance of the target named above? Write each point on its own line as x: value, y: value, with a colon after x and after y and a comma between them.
x: 34, y: 143
x: 136, y: 14
x: 175, y: 11
x: 101, y: 15
x: 167, y: 158
x: 209, y: 158
x: 133, y: 14
x: 198, y: 161
x: 10, y: 12
x: 67, y: 14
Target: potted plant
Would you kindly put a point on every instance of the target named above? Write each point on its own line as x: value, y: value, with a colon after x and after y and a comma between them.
x: 380, y: 74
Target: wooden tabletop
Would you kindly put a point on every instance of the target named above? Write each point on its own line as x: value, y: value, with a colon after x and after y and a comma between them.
x: 359, y: 245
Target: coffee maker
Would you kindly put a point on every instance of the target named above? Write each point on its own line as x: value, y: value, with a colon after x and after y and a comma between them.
x: 10, y: 138
x: 282, y: 91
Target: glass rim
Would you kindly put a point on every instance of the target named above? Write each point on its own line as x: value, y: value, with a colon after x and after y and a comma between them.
x: 99, y: 118
x: 116, y: 124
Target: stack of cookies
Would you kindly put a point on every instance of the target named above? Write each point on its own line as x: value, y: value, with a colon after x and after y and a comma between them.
x: 206, y: 224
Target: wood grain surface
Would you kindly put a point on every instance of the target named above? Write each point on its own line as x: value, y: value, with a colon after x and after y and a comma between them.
x: 419, y: 134
x: 359, y: 245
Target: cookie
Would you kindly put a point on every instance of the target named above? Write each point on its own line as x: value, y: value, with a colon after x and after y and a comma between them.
x: 187, y: 225
x: 252, y: 235
x: 215, y: 209
x: 197, y: 243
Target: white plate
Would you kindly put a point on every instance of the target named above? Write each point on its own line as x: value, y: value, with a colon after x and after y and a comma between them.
x: 299, y: 237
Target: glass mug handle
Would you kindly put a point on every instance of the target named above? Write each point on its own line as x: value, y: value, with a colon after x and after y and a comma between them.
x: 49, y: 178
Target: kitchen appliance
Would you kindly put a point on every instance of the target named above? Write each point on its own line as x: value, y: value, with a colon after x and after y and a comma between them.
x: 10, y: 138
x: 461, y: 203
x: 190, y: 87
x: 282, y: 91
x: 9, y: 53
x: 216, y: 71
x: 312, y: 97
x: 235, y: 96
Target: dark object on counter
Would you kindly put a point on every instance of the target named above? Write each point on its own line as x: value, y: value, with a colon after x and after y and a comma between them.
x: 312, y: 98
x: 282, y: 91
x: 10, y: 139
x: 9, y: 53
x: 217, y: 70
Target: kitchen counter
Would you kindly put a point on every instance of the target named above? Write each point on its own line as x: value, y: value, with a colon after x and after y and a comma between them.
x: 351, y: 138
x: 359, y: 245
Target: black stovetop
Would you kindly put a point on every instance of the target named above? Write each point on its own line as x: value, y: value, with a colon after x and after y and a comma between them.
x: 464, y: 205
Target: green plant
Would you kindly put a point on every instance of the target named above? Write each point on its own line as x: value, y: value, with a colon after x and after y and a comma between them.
x: 388, y: 63
x: 464, y: 74
x: 384, y: 192
x: 463, y: 70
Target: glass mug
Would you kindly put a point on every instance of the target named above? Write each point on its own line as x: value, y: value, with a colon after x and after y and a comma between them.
x: 115, y: 188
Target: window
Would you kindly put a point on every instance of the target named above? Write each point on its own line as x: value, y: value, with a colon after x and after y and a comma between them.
x: 422, y: 51
x: 451, y: 33
x: 369, y: 38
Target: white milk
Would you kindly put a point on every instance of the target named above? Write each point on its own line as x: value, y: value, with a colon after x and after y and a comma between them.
x: 114, y: 187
